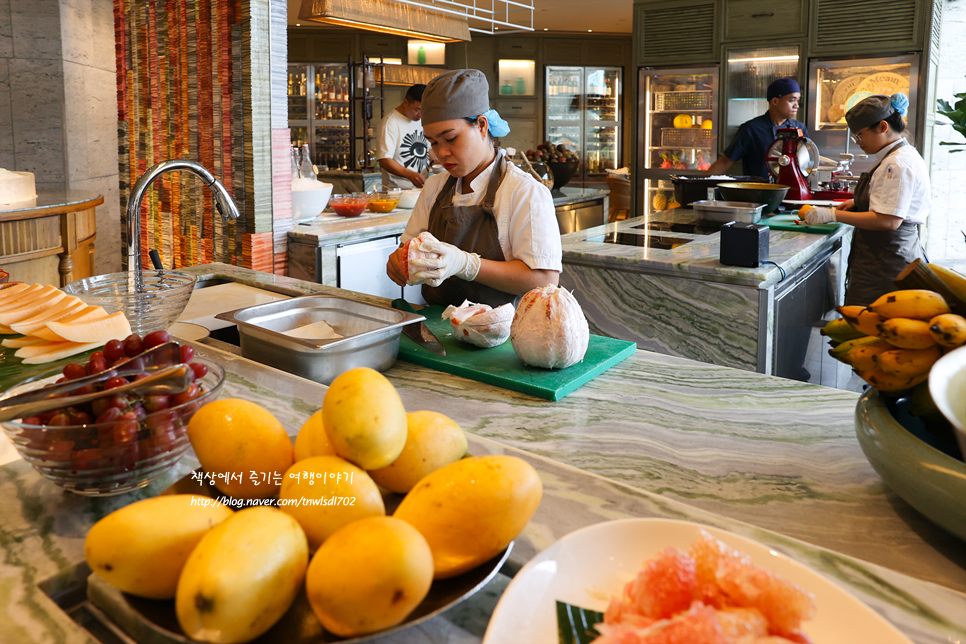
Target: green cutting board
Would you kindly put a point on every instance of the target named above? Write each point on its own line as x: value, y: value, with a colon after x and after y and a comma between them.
x: 787, y: 222
x: 501, y: 367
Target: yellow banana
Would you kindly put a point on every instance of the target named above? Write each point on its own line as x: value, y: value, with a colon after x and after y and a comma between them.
x: 885, y: 382
x: 955, y: 281
x: 907, y: 362
x: 863, y: 320
x: 906, y: 333
x: 840, y: 350
x: 840, y: 330
x: 922, y: 406
x: 862, y: 357
x: 918, y: 304
x: 948, y: 329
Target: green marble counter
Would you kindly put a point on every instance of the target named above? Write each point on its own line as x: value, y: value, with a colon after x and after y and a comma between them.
x: 768, y: 458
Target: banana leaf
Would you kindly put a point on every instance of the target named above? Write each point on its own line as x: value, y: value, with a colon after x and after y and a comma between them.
x: 575, y: 625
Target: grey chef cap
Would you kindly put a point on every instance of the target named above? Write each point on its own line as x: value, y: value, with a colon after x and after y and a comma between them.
x: 457, y: 94
x: 871, y: 110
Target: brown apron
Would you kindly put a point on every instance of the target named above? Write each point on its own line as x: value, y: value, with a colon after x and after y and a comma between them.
x: 877, y: 256
x: 472, y: 229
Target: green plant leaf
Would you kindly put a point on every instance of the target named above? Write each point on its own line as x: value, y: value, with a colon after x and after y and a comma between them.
x: 956, y: 114
x: 575, y: 625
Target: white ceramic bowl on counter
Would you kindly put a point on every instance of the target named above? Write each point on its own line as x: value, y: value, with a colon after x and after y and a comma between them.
x: 407, y: 198
x: 947, y: 386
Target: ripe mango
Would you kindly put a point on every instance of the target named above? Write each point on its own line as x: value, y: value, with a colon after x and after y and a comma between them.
x: 432, y: 441
x: 472, y: 509
x: 238, y: 437
x: 312, y: 439
x: 364, y: 418
x: 324, y: 493
x: 369, y: 576
x: 242, y: 576
x: 141, y: 548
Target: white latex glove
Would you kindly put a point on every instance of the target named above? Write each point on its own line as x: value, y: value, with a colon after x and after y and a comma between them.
x: 819, y: 215
x: 452, y: 262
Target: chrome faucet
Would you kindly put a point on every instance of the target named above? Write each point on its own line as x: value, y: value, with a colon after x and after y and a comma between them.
x: 223, y: 202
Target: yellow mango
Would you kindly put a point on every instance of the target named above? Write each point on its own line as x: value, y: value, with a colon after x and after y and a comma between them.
x: 242, y: 576
x: 369, y: 576
x: 472, y: 509
x: 364, y: 418
x: 141, y: 548
x: 324, y: 493
x: 432, y: 441
x: 312, y: 439
x: 238, y: 437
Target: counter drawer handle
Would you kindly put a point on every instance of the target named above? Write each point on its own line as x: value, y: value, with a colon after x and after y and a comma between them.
x: 763, y: 15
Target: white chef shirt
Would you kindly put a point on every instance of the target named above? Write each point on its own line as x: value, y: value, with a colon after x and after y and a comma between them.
x: 526, y: 221
x: 900, y: 186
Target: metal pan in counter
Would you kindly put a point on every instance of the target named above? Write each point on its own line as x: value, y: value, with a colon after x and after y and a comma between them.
x: 725, y: 211
x: 370, y: 335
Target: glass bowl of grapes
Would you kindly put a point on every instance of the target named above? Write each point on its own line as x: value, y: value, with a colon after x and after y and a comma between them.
x: 113, y: 444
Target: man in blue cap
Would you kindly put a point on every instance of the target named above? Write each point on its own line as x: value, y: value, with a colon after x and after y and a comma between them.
x: 754, y: 136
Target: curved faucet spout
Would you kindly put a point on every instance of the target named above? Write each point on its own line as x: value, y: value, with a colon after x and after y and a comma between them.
x: 223, y: 202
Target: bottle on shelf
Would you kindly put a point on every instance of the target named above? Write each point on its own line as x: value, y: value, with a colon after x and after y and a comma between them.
x: 306, y: 168
x: 295, y: 163
x: 421, y: 55
x: 331, y: 86
x: 303, y: 85
x: 290, y: 83
x: 521, y: 86
x: 318, y: 85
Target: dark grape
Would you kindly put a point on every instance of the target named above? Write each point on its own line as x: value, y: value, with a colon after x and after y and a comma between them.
x: 186, y: 396
x: 114, y: 350
x: 133, y: 345
x: 80, y: 391
x: 60, y: 419
x: 45, y: 417
x: 99, y: 406
x: 187, y: 353
x: 96, y: 365
x: 31, y: 420
x: 138, y: 410
x: 78, y: 417
x: 141, y: 376
x: 61, y: 379
x: 75, y: 371
x: 157, y: 403
x: 200, y: 369
x: 115, y: 382
x: 155, y: 338
x: 109, y: 415
x: 97, y: 354
x: 120, y: 401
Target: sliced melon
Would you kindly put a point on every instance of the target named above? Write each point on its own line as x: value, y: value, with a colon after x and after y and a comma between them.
x: 10, y: 291
x: 21, y: 298
x: 86, y: 314
x: 65, y: 307
x: 5, y: 330
x: 29, y: 310
x: 113, y: 327
x: 26, y: 341
x: 58, y: 350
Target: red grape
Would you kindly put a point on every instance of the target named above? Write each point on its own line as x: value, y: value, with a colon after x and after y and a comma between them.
x: 80, y: 391
x: 133, y: 345
x: 75, y: 371
x: 109, y: 415
x: 120, y: 401
x: 113, y: 350
x: 80, y: 418
x: 186, y: 396
x: 126, y: 431
x: 96, y: 365
x: 157, y: 403
x: 200, y: 369
x: 86, y: 459
x: 115, y: 382
x: 96, y: 354
x: 60, y: 419
x: 155, y: 338
x: 31, y: 420
x: 141, y: 376
x: 61, y: 379
x: 187, y: 353
x: 59, y: 450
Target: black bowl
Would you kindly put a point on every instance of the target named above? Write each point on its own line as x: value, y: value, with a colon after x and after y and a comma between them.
x: 687, y: 189
x: 562, y: 172
x: 770, y: 194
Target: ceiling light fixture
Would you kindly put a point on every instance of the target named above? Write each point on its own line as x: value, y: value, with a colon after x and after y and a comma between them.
x: 388, y: 16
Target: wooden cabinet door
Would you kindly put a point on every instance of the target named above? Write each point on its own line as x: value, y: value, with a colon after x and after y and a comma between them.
x: 762, y: 19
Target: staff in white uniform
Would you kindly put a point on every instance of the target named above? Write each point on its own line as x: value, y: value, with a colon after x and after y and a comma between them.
x: 890, y: 203
x: 496, y: 224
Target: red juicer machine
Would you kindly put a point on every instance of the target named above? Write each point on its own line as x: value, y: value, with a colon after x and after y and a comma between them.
x: 794, y: 161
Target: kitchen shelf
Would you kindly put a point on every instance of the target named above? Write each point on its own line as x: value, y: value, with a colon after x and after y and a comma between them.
x: 677, y: 111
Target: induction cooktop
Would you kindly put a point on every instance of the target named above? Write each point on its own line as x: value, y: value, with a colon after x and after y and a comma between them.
x: 695, y: 227
x: 649, y: 240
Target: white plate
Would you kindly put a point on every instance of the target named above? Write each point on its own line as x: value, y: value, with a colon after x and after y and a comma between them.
x: 586, y: 567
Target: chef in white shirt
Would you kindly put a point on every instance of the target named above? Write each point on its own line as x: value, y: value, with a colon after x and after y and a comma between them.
x: 496, y: 225
x: 890, y: 203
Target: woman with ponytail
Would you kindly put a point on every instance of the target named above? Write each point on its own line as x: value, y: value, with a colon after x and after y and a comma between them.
x: 890, y: 202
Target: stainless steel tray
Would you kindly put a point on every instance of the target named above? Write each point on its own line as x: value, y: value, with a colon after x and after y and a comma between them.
x: 371, y: 335
x: 725, y: 211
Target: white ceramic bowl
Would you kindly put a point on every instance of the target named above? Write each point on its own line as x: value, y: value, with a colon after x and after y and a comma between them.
x: 947, y: 386
x: 309, y: 204
x: 408, y: 198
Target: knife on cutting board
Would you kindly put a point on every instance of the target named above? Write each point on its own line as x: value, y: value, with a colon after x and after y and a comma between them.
x: 419, y: 332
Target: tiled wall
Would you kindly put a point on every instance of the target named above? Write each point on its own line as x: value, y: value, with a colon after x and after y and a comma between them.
x: 52, y: 50
x: 944, y: 239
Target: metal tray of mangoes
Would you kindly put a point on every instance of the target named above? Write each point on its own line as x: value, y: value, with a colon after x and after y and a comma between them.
x: 151, y: 621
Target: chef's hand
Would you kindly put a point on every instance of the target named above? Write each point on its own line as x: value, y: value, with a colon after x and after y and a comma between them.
x: 417, y: 179
x: 846, y: 205
x: 818, y: 215
x: 452, y: 262
x: 392, y: 269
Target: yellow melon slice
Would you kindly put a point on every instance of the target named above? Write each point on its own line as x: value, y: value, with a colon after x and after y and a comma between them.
x: 66, y: 306
x: 16, y: 343
x: 5, y: 330
x: 113, y: 327
x: 36, y: 306
x: 86, y: 314
x: 58, y: 350
x: 10, y: 291
x: 22, y: 297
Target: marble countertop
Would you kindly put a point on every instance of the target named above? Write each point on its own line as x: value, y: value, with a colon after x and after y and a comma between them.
x: 697, y: 255
x: 330, y: 228
x: 565, y: 195
x: 656, y: 436
x: 51, y: 199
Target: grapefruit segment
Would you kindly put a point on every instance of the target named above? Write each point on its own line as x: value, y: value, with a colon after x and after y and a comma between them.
x: 86, y: 314
x: 57, y: 351
x: 69, y: 304
x: 31, y: 309
x: 16, y: 343
x: 112, y: 327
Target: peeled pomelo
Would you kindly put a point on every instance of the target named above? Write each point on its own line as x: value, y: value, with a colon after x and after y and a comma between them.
x: 86, y: 314
x: 31, y: 309
x: 69, y: 304
x: 51, y: 351
x: 113, y: 327
x: 16, y: 343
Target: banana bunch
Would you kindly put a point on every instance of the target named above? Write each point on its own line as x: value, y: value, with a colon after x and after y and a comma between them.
x: 894, y: 342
